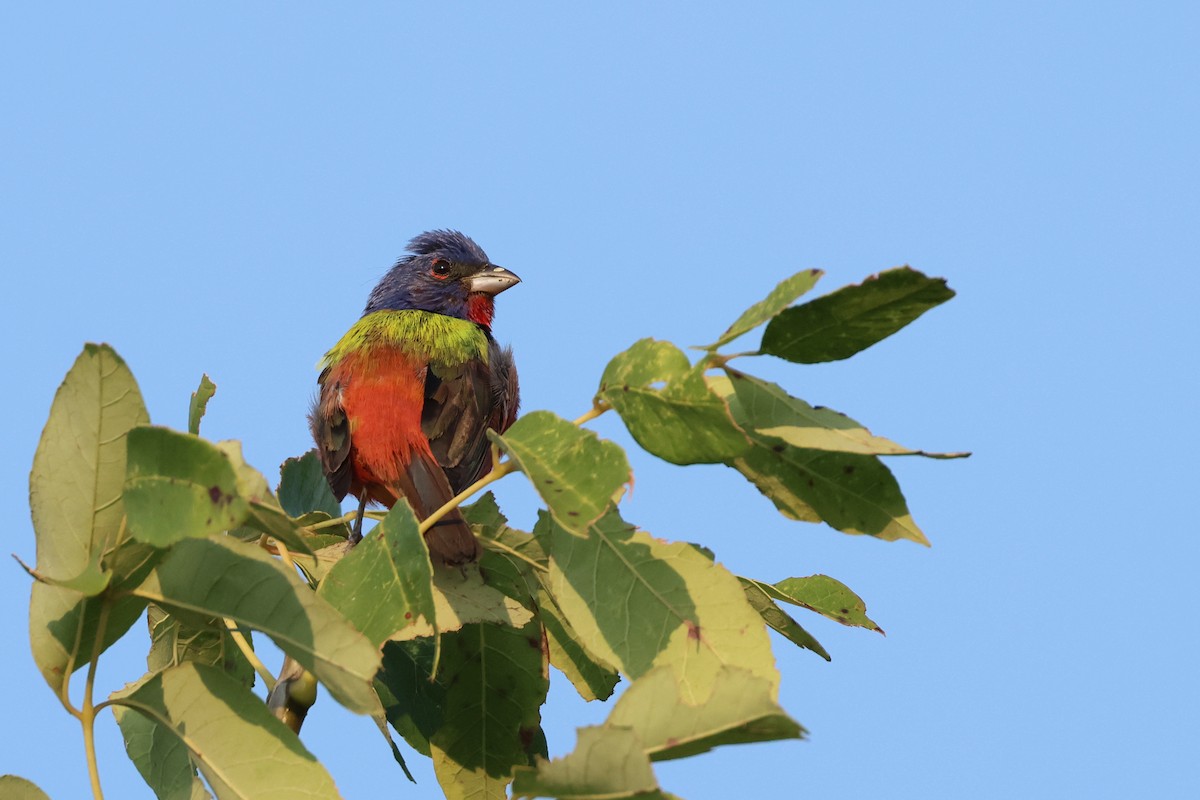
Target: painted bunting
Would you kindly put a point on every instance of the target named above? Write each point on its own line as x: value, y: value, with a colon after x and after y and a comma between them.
x: 407, y: 394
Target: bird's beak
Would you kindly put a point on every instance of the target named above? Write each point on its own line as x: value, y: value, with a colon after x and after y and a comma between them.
x: 492, y: 280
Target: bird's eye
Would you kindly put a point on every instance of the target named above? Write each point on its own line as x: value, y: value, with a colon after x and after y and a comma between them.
x: 440, y: 269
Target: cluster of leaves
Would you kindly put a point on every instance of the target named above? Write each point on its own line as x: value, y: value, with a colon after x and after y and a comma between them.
x: 135, y: 520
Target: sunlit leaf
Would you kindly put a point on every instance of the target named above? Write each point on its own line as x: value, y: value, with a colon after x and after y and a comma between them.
x: 574, y: 470
x: 79, y: 467
x: 179, y: 486
x: 638, y: 602
x: 13, y: 787
x: 241, y: 749
x: 384, y: 585
x: 160, y: 756
x: 826, y: 596
x: 770, y: 411
x: 853, y: 318
x: 64, y: 624
x: 220, y: 577
x: 199, y: 403
x: 496, y: 682
x: 303, y: 487
x: 780, y: 620
x: 683, y: 422
x: 608, y: 763
x: 740, y: 710
x: 592, y: 677
x: 780, y: 298
x: 852, y: 493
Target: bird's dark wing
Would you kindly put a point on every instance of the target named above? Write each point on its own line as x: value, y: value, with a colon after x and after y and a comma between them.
x: 331, y: 432
x: 461, y: 403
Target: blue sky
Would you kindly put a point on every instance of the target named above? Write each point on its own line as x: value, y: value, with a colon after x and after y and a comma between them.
x: 216, y: 190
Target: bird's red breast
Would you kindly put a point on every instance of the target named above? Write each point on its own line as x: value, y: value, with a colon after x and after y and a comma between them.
x: 382, y: 394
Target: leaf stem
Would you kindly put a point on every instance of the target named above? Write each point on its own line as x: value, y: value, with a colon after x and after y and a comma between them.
x: 87, y: 714
x: 595, y: 411
x: 333, y: 523
x: 248, y: 651
x: 516, y: 554
x: 498, y: 472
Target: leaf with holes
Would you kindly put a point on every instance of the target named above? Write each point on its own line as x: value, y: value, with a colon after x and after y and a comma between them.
x: 574, y: 470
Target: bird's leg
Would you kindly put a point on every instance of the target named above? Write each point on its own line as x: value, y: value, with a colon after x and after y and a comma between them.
x: 356, y: 532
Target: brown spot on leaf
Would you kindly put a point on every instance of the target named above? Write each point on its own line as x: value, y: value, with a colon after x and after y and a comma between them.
x: 777, y: 448
x: 572, y: 513
x: 408, y: 615
x: 215, y: 494
x: 849, y: 470
x: 693, y: 630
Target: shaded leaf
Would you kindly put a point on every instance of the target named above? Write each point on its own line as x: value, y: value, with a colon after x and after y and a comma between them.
x: 179, y: 486
x: 591, y: 676
x: 160, y: 757
x: 222, y: 723
x: 770, y: 411
x: 303, y: 487
x: 853, y: 318
x: 384, y: 584
x: 13, y: 787
x: 203, y: 640
x: 64, y: 625
x: 412, y: 702
x: 684, y: 422
x: 79, y: 467
x: 826, y: 596
x: 780, y: 298
x: 496, y: 681
x: 852, y: 493
x: 199, y: 404
x: 608, y: 763
x: 223, y: 578
x: 779, y: 619
x: 740, y: 710
x: 638, y: 602
x: 574, y: 470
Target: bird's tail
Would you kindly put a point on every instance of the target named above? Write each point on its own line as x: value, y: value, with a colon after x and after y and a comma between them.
x: 426, y: 488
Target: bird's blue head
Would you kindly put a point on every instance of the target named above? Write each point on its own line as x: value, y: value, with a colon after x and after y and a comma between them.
x: 446, y: 273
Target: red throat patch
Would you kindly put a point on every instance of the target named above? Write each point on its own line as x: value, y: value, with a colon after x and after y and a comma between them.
x: 481, y: 308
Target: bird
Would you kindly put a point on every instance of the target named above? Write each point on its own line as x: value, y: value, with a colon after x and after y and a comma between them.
x: 406, y: 396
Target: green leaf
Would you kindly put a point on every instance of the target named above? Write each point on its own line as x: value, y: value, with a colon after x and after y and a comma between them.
x: 304, y: 488
x: 203, y: 640
x: 13, y: 787
x: 495, y: 680
x: 241, y: 749
x: 638, y: 602
x: 591, y: 676
x: 740, y: 710
x: 412, y: 702
x: 826, y: 596
x: 770, y: 411
x: 384, y: 584
x: 79, y: 467
x: 160, y: 757
x: 647, y: 362
x: 852, y: 493
x: 221, y: 577
x: 574, y: 470
x: 199, y: 404
x: 780, y: 298
x: 269, y: 519
x: 492, y: 526
x: 462, y: 597
x: 684, y: 422
x: 64, y: 624
x: 178, y: 486
x: 608, y: 763
x: 853, y: 318
x: 778, y: 619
